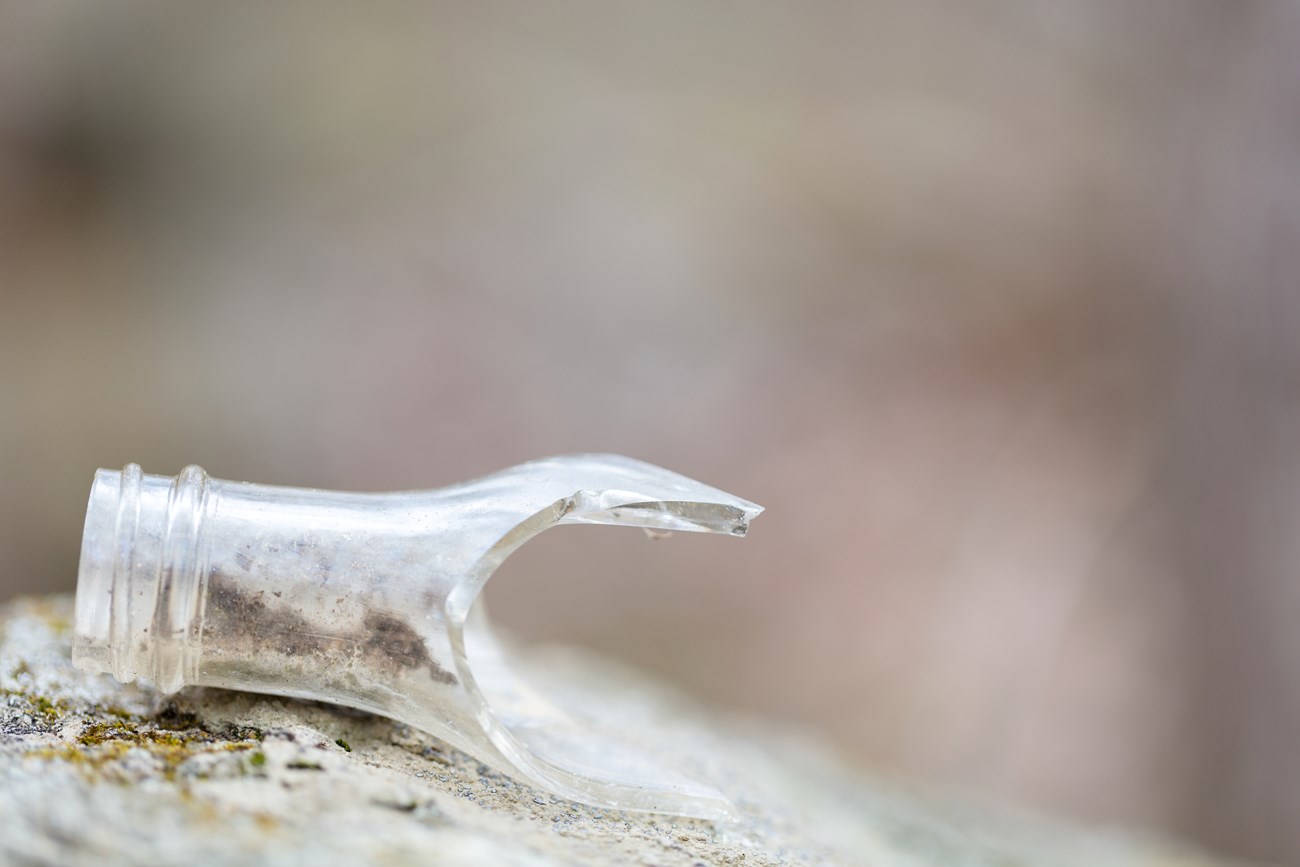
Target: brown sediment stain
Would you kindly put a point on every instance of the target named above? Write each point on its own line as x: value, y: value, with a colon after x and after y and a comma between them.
x: 386, y: 642
x: 235, y: 616
x: 394, y: 638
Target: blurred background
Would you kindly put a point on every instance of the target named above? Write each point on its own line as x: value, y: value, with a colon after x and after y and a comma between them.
x: 994, y: 305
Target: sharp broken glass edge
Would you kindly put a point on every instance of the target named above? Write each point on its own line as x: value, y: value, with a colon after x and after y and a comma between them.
x: 369, y: 600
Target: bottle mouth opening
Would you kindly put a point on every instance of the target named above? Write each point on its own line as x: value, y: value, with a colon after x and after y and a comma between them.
x: 101, y: 552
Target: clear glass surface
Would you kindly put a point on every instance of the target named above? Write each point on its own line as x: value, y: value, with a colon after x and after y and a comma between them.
x: 368, y: 600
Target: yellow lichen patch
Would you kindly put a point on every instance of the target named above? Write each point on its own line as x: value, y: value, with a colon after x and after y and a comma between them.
x: 80, y: 756
x: 102, y: 743
x: 50, y: 709
x: 96, y: 733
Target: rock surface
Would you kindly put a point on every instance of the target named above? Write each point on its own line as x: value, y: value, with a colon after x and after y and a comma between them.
x: 94, y: 772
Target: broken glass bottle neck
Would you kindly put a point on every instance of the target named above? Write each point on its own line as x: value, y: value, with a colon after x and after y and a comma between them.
x: 364, y: 600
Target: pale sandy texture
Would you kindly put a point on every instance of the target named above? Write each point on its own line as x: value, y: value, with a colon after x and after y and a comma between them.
x: 96, y: 773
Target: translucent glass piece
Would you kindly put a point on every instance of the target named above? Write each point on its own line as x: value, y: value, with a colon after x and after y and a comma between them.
x: 368, y: 600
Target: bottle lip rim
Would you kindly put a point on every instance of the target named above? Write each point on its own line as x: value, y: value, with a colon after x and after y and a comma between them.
x: 101, y: 542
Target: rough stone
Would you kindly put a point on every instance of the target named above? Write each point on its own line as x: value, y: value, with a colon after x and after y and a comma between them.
x: 93, y: 772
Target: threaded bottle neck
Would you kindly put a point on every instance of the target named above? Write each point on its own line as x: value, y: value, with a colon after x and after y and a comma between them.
x: 139, y: 580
